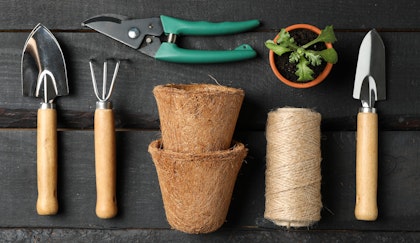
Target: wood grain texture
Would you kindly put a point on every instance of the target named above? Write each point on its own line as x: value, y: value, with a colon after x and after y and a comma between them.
x: 231, y: 235
x: 138, y: 194
x: 366, y: 166
x: 344, y: 14
x: 141, y: 216
x: 47, y: 203
x: 135, y: 106
x: 105, y: 164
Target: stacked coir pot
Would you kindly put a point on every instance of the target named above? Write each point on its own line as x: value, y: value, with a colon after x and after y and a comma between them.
x: 197, y: 161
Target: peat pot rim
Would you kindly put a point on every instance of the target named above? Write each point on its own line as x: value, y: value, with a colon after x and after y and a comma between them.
x: 237, y: 147
x: 196, y: 88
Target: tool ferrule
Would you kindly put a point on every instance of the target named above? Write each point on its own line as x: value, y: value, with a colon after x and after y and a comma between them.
x: 367, y: 110
x: 45, y: 106
x: 103, y: 105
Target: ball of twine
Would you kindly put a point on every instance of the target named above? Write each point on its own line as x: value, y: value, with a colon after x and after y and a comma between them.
x: 293, y: 172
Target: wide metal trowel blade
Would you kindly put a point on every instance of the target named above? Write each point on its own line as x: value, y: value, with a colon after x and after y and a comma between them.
x: 370, y: 72
x: 43, y: 67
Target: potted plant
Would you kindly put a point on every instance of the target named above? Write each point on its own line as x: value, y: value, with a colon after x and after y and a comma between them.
x: 297, y: 56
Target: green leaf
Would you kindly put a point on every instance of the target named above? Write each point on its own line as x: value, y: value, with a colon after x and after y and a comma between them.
x: 313, y: 58
x: 294, y: 57
x: 303, y: 71
x: 279, y: 50
x: 329, y: 55
x: 326, y: 35
x: 283, y: 44
x: 284, y: 38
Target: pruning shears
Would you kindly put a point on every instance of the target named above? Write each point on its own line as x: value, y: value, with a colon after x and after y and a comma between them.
x: 156, y: 37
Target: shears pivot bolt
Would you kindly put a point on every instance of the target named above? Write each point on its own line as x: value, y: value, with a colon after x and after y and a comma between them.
x: 133, y: 33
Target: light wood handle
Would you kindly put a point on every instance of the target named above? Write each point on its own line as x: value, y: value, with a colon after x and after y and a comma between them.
x: 367, y: 167
x: 47, y: 203
x: 105, y: 163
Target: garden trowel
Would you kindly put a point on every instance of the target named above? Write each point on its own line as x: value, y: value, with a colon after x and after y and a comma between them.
x: 44, y: 75
x: 369, y: 86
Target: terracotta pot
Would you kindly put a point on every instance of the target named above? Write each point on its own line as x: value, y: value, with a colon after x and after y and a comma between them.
x: 197, y: 188
x: 290, y: 83
x: 197, y: 117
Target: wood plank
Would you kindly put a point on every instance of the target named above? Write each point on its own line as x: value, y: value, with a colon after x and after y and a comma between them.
x: 136, y: 108
x: 359, y: 14
x: 137, y: 182
x: 141, y: 215
x: 232, y: 235
x: 139, y: 195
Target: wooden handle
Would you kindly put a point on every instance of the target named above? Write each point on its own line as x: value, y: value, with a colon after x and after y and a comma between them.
x: 105, y: 163
x: 367, y: 167
x: 47, y: 203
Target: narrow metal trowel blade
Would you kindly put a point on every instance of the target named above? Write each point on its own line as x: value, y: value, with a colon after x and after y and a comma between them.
x: 43, y: 67
x: 371, y: 67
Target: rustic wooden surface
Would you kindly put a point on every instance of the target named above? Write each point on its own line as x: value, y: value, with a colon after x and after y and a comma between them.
x: 141, y: 216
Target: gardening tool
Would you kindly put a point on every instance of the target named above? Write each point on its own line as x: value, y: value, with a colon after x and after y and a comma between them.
x: 145, y: 35
x: 369, y: 86
x: 44, y: 75
x: 105, y: 155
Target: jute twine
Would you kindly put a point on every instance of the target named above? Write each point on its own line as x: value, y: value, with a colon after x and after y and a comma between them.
x: 197, y: 188
x: 293, y: 173
x: 197, y: 117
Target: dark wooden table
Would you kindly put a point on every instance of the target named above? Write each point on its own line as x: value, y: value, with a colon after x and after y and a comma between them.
x: 141, y: 216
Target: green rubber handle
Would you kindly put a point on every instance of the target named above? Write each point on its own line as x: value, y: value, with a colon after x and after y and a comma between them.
x: 170, y: 52
x: 176, y: 26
